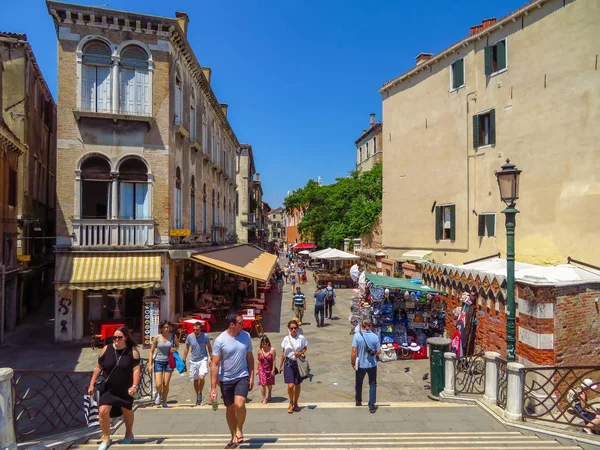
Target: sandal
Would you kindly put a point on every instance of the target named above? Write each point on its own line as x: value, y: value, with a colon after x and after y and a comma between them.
x: 291, y: 408
x: 268, y: 399
x: 231, y: 444
x: 296, y: 408
x: 240, y: 440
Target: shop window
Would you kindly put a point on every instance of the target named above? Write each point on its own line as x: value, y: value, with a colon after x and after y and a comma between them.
x: 484, y: 129
x: 96, y: 80
x: 12, y: 187
x: 487, y: 225
x: 457, y: 74
x: 133, y: 190
x: 445, y: 222
x: 95, y: 188
x: 495, y: 57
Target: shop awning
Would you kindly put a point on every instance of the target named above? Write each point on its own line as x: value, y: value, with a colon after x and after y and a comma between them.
x: 118, y: 270
x: 304, y: 246
x: 246, y: 260
x: 400, y: 283
x: 414, y: 255
x: 337, y: 255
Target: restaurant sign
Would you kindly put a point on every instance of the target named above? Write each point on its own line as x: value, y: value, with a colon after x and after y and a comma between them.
x: 179, y: 232
x: 23, y: 258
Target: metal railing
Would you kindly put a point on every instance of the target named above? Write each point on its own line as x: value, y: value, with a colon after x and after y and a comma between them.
x: 469, y: 375
x: 502, y: 383
x: 117, y: 232
x: 551, y: 394
x: 51, y: 402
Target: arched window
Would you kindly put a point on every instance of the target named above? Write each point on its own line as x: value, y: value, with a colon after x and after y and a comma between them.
x: 135, y: 81
x: 133, y: 190
x: 96, y: 88
x: 95, y: 188
x: 178, y: 223
x: 193, y: 115
x: 204, y: 209
x: 178, y: 97
x: 193, y: 206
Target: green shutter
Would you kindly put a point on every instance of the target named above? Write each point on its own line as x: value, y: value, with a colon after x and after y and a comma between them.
x: 459, y: 78
x: 501, y: 54
x: 452, y: 222
x: 489, y: 67
x: 493, y: 127
x: 475, y: 131
x: 481, y: 228
x: 491, y: 224
x: 438, y: 223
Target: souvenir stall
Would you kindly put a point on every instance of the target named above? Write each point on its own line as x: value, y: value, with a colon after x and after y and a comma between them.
x: 404, y: 314
x: 338, y: 271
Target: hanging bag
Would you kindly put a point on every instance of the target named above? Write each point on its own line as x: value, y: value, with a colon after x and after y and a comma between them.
x: 172, y: 362
x: 303, y: 366
x: 100, y: 384
x: 90, y: 410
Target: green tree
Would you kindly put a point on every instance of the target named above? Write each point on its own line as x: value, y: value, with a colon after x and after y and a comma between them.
x: 346, y: 209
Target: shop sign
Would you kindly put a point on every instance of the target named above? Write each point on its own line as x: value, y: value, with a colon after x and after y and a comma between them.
x: 179, y: 232
x: 23, y: 258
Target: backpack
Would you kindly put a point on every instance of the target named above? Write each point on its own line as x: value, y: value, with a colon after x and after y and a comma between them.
x: 329, y: 295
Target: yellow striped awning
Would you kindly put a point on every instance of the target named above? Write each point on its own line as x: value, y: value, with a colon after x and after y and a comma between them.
x: 246, y: 260
x: 118, y: 270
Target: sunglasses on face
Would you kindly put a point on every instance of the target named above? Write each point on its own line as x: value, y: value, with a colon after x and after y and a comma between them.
x: 293, y: 328
x: 240, y: 323
x: 118, y: 337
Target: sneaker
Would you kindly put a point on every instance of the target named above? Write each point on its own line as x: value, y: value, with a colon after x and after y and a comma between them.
x: 358, y: 403
x: 199, y: 399
x: 164, y: 405
x: 373, y: 409
x: 157, y: 401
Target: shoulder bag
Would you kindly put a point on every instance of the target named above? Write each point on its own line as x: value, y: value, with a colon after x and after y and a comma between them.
x: 303, y: 366
x: 100, y: 384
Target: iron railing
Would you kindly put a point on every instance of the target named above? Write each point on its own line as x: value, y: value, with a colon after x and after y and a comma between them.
x: 469, y: 375
x: 548, y: 394
x: 501, y: 383
x: 51, y: 402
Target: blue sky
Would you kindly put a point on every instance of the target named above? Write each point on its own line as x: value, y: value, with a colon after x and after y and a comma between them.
x: 300, y: 77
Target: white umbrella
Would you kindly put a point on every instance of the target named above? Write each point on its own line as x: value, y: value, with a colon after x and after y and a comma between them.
x: 304, y: 252
x: 337, y: 255
x: 319, y: 252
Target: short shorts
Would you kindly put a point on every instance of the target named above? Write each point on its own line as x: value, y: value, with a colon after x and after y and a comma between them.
x: 231, y: 389
x: 198, y: 369
x: 162, y: 366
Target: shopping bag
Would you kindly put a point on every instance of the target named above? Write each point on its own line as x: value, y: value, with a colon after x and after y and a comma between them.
x: 172, y: 362
x: 179, y: 363
x: 90, y: 410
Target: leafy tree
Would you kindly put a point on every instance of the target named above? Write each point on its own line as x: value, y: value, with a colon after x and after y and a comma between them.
x: 346, y: 209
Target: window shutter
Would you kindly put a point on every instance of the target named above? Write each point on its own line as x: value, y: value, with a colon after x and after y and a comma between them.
x: 128, y: 91
x: 493, y: 127
x: 438, y: 223
x: 138, y: 89
x: 475, y: 131
x: 103, y: 88
x: 178, y: 105
x: 452, y: 222
x: 141, y: 201
x: 481, y: 230
x: 488, y: 56
x: 491, y: 224
x: 88, y: 93
x: 146, y: 93
x: 458, y: 74
x: 501, y: 54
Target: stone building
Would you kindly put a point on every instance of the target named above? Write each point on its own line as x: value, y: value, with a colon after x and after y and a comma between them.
x: 146, y: 160
x: 277, y: 225
x: 369, y: 146
x: 246, y: 176
x: 452, y: 120
x: 29, y: 115
x: 11, y: 150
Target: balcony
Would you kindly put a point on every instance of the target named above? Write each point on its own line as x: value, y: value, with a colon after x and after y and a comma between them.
x: 114, y: 116
x: 112, y: 233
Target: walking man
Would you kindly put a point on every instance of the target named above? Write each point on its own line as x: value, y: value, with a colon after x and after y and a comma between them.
x: 329, y: 300
x: 320, y: 306
x: 233, y: 366
x: 199, y: 342
x: 299, y: 304
x: 365, y: 349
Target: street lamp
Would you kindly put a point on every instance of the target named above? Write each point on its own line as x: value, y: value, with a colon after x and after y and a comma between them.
x: 508, y: 182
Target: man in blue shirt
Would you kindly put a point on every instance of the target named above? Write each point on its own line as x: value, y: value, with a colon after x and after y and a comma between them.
x: 365, y: 349
x: 320, y: 306
x: 299, y: 304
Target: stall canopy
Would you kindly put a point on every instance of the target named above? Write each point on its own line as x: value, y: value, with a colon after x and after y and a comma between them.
x: 304, y: 252
x: 336, y: 255
x: 122, y: 270
x: 400, y: 283
x: 246, y: 260
x: 319, y: 252
x: 415, y: 255
x: 304, y: 246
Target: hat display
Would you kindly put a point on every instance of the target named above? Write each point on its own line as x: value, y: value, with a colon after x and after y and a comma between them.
x: 405, y: 346
x: 588, y: 383
x: 414, y: 347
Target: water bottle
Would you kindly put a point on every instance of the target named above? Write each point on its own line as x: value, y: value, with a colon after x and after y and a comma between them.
x: 215, y: 404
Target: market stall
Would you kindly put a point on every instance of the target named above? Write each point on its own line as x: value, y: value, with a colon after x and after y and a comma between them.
x: 404, y: 314
x: 338, y: 272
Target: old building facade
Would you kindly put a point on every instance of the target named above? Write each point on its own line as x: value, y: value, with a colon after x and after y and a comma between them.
x: 249, y: 198
x: 452, y: 121
x: 277, y: 225
x: 146, y: 165
x: 369, y: 146
x: 29, y: 115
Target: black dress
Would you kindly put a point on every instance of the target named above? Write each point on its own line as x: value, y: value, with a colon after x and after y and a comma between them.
x: 119, y: 381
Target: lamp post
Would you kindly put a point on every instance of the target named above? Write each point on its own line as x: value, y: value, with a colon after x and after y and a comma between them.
x: 508, y: 182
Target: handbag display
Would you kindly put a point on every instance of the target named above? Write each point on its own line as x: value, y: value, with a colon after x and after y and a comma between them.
x: 303, y: 366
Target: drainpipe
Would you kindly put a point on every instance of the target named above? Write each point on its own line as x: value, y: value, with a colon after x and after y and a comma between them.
x: 469, y: 209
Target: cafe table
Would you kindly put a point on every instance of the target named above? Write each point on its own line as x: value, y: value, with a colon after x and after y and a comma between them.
x: 248, y: 322
x: 188, y: 324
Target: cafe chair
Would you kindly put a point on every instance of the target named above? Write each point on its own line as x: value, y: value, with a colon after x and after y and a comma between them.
x: 257, y: 326
x: 94, y: 336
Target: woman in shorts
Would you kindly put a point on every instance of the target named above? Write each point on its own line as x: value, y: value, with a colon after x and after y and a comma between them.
x: 165, y: 343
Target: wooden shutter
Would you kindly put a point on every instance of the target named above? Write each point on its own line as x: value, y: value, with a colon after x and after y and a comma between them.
x: 475, y: 131
x: 178, y: 105
x: 452, y: 222
x: 481, y: 227
x: 491, y: 224
x: 88, y: 97
x: 501, y: 54
x: 493, y: 127
x: 138, y: 92
x: 103, y: 90
x: 439, y: 223
x: 488, y: 58
x: 127, y: 91
x: 458, y: 78
x: 146, y: 93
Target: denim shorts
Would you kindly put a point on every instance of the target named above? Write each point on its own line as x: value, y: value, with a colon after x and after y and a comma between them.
x: 238, y: 387
x: 162, y: 366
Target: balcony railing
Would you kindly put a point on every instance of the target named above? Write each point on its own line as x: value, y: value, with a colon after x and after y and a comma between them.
x: 113, y: 233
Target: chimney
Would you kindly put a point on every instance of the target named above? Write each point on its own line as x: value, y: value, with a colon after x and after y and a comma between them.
x: 486, y: 23
x: 207, y: 72
x: 224, y: 107
x: 371, y: 120
x: 182, y: 20
x: 257, y: 176
x: 422, y: 57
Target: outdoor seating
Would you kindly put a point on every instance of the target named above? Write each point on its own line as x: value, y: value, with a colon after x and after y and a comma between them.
x: 94, y: 335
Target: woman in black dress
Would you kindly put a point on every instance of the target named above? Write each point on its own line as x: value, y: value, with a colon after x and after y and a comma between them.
x: 119, y: 363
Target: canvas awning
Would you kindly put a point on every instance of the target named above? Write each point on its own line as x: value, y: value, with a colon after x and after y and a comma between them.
x: 400, y: 283
x: 304, y: 246
x: 414, y: 255
x: 319, y: 252
x: 337, y: 255
x: 246, y: 260
x: 114, y: 270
